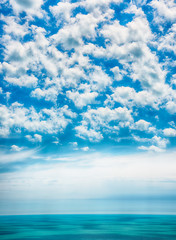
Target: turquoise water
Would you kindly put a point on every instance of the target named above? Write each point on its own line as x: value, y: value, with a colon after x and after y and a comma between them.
x: 88, y: 227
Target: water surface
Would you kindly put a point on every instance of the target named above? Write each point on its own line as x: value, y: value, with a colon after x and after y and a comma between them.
x: 88, y: 227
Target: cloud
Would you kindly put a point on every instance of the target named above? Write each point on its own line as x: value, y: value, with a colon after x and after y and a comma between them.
x: 129, y: 44
x: 17, y: 155
x: 165, y: 8
x: 23, y: 81
x: 84, y: 133
x: 158, y: 144
x: 13, y: 27
x: 49, y: 94
x: 95, y: 175
x: 128, y: 96
x: 82, y: 99
x: 56, y: 141
x: 46, y: 120
x: 92, y: 5
x: 142, y: 125
x: 110, y: 67
x: 35, y: 138
x: 167, y: 42
x: 118, y: 74
x: 171, y: 107
x: 70, y: 36
x: 85, y: 149
x: 63, y: 11
x: 16, y: 148
x: 102, y: 116
x: 169, y: 132
x: 99, y: 79
x: 161, y: 142
x: 31, y: 7
x: 152, y: 148
x: 99, y: 121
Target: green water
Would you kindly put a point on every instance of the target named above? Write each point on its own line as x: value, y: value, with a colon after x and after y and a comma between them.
x: 87, y: 227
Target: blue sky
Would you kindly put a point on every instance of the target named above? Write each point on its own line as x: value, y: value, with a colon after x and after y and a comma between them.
x: 88, y: 98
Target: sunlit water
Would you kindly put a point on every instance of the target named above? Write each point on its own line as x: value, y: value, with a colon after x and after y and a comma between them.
x: 85, y: 227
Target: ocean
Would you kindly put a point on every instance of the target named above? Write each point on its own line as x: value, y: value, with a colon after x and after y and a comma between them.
x: 88, y: 227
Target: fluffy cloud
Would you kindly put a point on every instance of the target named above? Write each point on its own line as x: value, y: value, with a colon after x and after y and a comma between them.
x: 35, y: 138
x: 82, y: 99
x: 151, y: 148
x: 169, y: 132
x: 158, y: 144
x: 108, y: 68
x: 49, y: 94
x: 165, y: 8
x: 70, y: 36
x: 46, y: 120
x: 167, y: 42
x: 90, y: 4
x: 101, y: 119
x: 31, y: 7
x: 103, y: 116
x: 13, y: 27
x: 85, y: 149
x: 127, y: 96
x: 171, y: 107
x: 63, y: 11
x: 85, y: 133
x: 23, y: 81
x: 129, y: 44
x: 118, y: 74
x: 142, y: 125
x: 16, y: 148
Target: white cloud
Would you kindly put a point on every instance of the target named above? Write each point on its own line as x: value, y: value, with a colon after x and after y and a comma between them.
x: 137, y: 30
x: 165, y: 8
x: 12, y: 26
x: 85, y: 149
x: 99, y: 79
x: 35, y: 138
x: 49, y: 94
x: 16, y: 148
x: 63, y: 11
x: 23, y: 81
x: 152, y: 149
x: 31, y: 7
x: 56, y: 141
x: 94, y: 4
x: 128, y: 96
x: 118, y: 74
x: 129, y: 44
x: 167, y: 42
x: 46, y: 120
x: 99, y: 121
x: 84, y: 133
x: 75, y: 145
x: 96, y: 175
x: 70, y: 36
x: 82, y: 99
x: 160, y: 142
x: 171, y: 107
x: 102, y: 116
x: 169, y: 132
x: 142, y: 125
x: 17, y: 155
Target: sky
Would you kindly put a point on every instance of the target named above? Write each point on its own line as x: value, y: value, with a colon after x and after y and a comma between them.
x: 87, y: 99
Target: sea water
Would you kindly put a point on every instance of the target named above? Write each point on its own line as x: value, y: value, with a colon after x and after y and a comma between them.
x: 88, y: 227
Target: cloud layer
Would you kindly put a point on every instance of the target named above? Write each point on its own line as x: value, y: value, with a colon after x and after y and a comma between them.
x: 101, y: 69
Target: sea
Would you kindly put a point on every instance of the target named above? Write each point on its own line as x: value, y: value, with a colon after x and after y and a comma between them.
x: 88, y: 227
x: 88, y: 220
